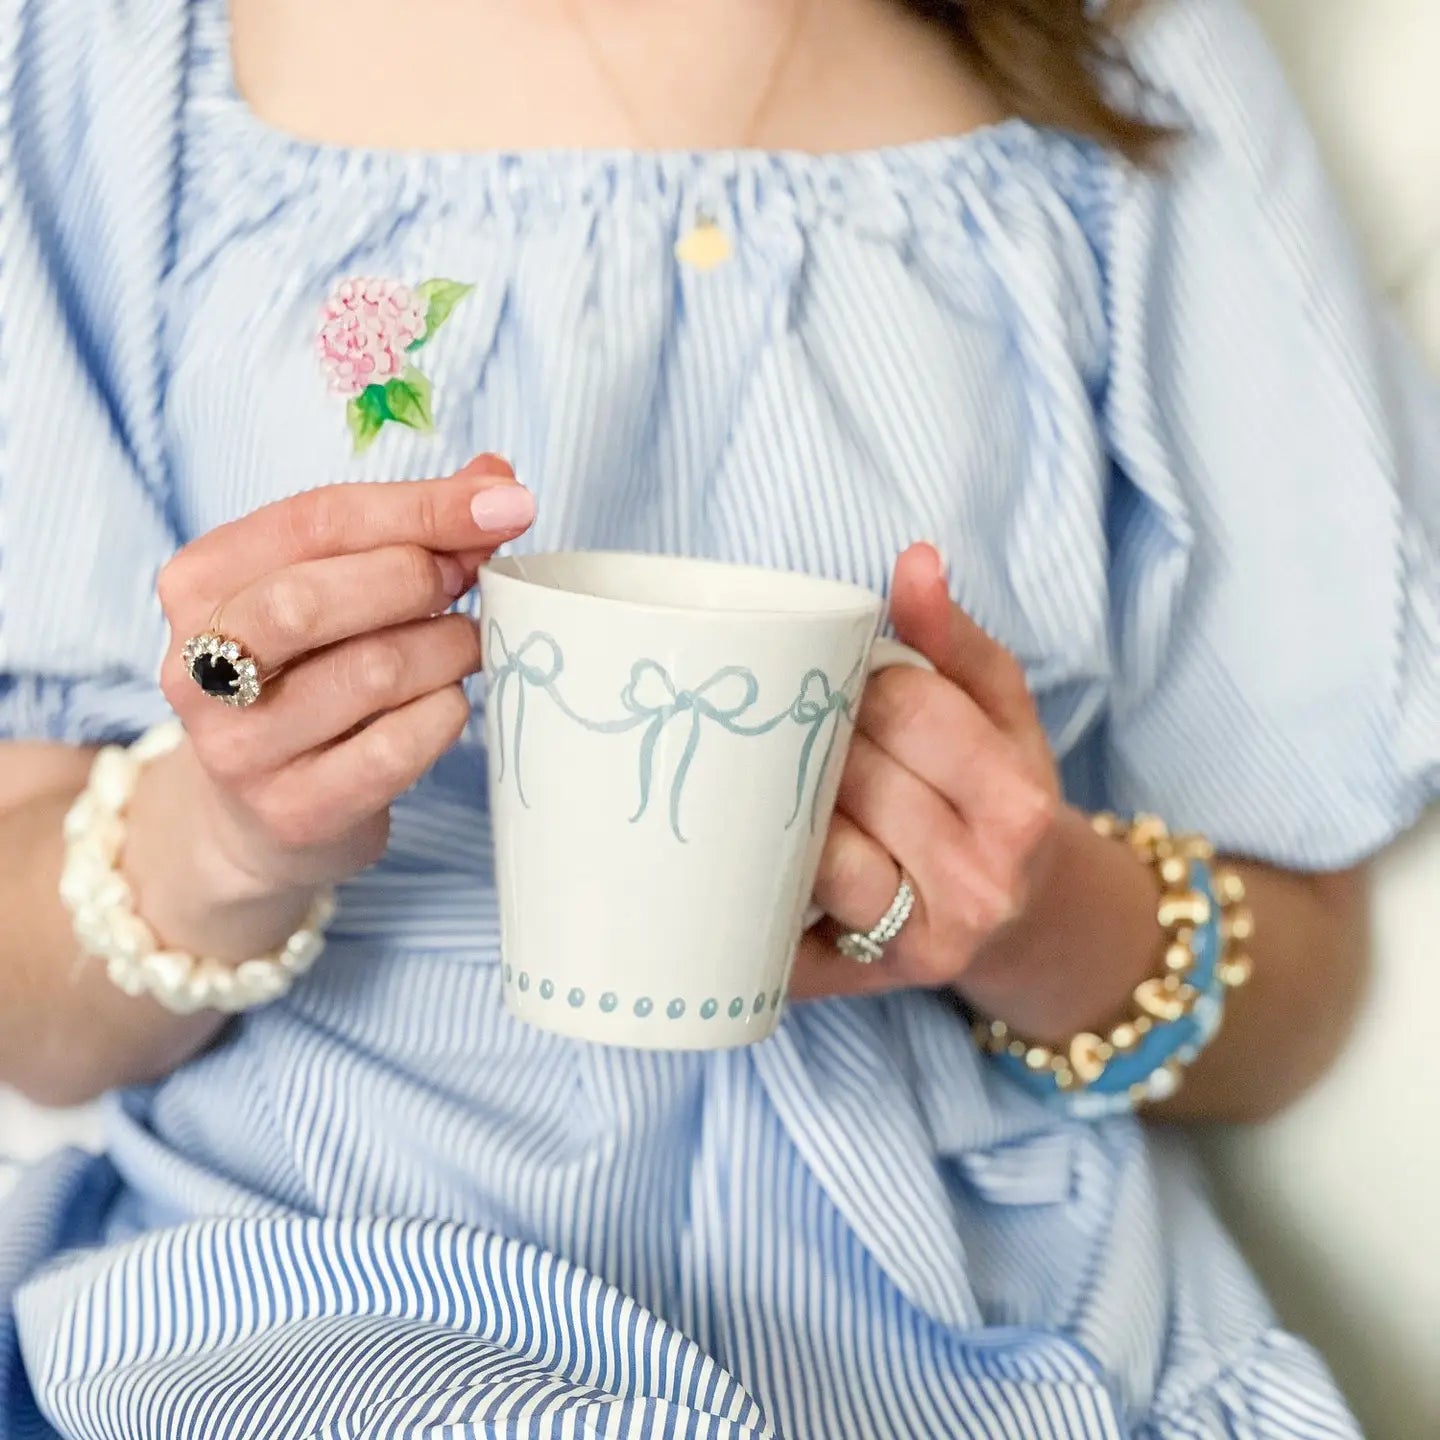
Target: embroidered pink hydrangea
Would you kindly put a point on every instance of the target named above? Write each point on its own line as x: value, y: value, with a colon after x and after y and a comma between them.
x: 369, y: 330
x: 366, y: 327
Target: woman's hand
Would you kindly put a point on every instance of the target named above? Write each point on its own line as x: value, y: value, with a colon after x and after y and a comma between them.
x: 1021, y: 908
x: 343, y: 590
x: 949, y: 776
x: 229, y: 836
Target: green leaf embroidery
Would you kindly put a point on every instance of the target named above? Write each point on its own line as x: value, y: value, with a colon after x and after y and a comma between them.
x: 367, y: 414
x: 440, y: 297
x: 408, y: 401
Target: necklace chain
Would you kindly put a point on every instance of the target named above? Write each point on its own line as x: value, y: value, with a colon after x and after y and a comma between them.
x: 704, y: 245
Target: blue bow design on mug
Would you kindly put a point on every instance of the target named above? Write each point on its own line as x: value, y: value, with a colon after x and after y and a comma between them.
x: 654, y: 697
x: 650, y: 701
x: 538, y: 662
x: 818, y: 703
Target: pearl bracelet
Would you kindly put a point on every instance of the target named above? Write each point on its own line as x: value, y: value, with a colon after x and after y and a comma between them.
x: 102, y: 904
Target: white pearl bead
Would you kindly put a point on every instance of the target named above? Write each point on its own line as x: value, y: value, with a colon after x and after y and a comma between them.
x: 258, y: 982
x: 112, y: 779
x: 81, y: 873
x: 92, y: 929
x: 112, y: 893
x: 166, y: 971
x: 222, y: 990
x: 301, y: 951
x: 125, y: 975
x: 187, y: 997
x: 209, y: 982
x: 79, y: 817
x: 130, y: 936
x: 178, y: 1002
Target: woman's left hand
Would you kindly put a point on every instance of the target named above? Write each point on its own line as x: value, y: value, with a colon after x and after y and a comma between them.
x: 950, y: 777
x: 1021, y: 907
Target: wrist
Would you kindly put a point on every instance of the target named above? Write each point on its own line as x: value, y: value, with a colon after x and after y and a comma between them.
x: 1072, y: 959
x: 182, y: 858
x: 1141, y: 1056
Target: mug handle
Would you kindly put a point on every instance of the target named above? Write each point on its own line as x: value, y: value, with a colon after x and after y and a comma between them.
x: 884, y: 654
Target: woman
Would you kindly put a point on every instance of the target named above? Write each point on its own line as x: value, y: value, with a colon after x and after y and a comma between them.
x: 1128, y: 382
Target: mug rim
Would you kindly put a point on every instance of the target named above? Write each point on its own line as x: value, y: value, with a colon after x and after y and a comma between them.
x: 867, y: 602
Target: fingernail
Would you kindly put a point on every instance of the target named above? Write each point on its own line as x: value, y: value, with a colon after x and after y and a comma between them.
x: 453, y: 576
x: 503, y: 509
x: 936, y: 564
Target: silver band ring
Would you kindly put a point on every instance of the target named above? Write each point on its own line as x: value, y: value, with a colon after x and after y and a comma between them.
x: 868, y: 947
x: 223, y: 669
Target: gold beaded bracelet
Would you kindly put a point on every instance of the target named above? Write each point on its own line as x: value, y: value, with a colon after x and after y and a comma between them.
x: 1182, y: 911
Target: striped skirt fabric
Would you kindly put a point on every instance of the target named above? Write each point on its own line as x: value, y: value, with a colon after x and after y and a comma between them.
x: 294, y: 1329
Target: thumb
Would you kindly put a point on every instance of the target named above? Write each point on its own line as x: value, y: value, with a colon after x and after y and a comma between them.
x: 921, y: 609
x: 926, y: 618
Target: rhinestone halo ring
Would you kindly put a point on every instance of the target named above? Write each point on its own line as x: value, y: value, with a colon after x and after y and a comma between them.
x: 865, y: 948
x: 222, y: 669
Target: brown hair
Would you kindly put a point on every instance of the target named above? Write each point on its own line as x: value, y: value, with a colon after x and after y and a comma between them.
x: 1053, y: 62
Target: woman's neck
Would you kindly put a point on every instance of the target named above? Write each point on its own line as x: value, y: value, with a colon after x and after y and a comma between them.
x: 507, y: 75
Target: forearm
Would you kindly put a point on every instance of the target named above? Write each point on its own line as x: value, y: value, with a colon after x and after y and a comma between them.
x: 1284, y: 1028
x: 66, y: 1033
x: 1090, y: 936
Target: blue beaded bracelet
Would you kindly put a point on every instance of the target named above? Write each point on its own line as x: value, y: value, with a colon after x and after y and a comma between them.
x: 1175, y: 1015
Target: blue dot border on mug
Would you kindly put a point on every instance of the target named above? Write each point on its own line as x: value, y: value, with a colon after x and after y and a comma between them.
x: 659, y: 1008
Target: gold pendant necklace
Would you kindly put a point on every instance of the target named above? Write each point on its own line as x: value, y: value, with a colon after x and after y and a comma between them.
x: 705, y: 244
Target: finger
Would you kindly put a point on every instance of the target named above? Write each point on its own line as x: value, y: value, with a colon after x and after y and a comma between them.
x: 440, y: 515
x: 822, y: 972
x: 937, y: 732
x: 326, y: 795
x: 333, y: 693
x: 307, y: 607
x: 857, y: 878
x: 958, y: 895
x: 925, y: 617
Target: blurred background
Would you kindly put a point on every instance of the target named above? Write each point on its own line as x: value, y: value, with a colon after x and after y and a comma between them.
x: 1338, y: 1202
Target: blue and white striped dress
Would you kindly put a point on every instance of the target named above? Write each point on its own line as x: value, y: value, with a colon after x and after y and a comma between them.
x: 1180, y: 468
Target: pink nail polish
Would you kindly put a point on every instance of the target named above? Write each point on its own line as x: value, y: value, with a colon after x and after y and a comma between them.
x: 503, y: 509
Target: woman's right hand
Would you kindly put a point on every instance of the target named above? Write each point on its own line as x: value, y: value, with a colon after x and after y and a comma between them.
x: 343, y: 590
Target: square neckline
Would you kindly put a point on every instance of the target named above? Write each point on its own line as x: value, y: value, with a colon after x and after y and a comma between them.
x: 212, y: 35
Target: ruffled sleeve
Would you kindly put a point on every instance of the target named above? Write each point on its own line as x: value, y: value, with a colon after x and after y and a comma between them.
x: 1275, y: 521
x: 89, y: 91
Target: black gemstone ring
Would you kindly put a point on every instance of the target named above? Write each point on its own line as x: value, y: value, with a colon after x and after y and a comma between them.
x: 222, y: 669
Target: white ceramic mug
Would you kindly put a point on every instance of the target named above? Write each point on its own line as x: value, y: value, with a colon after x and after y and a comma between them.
x: 665, y: 743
